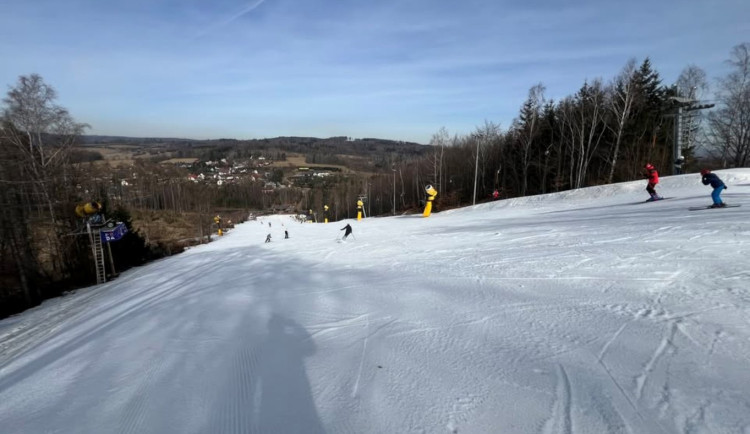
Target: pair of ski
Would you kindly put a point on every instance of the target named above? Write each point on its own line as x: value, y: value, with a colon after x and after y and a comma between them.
x: 694, y: 208
x: 655, y: 200
x: 698, y: 208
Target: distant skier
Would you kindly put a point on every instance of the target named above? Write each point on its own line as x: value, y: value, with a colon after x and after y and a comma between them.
x: 268, y: 238
x: 348, y: 232
x: 718, y: 186
x: 678, y: 163
x: 286, y: 234
x: 653, y: 178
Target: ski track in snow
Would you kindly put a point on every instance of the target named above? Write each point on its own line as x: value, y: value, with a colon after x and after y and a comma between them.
x: 362, y: 360
x: 561, y: 422
x: 614, y: 337
x: 665, y: 343
x: 135, y: 410
x: 242, y: 406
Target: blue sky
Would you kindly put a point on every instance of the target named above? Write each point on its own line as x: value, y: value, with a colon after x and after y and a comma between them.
x: 379, y: 68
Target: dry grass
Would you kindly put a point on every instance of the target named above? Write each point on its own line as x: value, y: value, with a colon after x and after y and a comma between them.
x: 123, y: 155
x: 180, y: 161
x: 177, y: 229
x: 172, y: 231
x: 113, y: 156
x: 297, y: 160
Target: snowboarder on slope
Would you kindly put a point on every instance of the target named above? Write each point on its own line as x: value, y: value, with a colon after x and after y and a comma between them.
x: 718, y: 186
x: 286, y: 234
x: 653, y: 178
x: 348, y: 231
x: 268, y: 238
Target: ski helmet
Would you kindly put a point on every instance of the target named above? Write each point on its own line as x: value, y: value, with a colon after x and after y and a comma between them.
x: 705, y: 172
x: 649, y: 166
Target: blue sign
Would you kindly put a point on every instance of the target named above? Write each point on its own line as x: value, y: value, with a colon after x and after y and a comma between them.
x: 115, y: 233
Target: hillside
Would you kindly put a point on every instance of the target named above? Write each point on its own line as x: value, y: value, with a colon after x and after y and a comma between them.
x: 189, y: 148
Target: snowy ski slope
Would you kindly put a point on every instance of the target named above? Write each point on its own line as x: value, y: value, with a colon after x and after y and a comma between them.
x: 586, y: 311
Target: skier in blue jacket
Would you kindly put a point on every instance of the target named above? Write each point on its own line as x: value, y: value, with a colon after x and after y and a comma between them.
x: 718, y: 186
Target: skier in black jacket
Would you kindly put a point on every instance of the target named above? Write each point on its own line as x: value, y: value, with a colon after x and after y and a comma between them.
x: 718, y: 186
x: 348, y: 232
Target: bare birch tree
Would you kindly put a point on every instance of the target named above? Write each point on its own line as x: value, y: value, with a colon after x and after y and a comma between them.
x: 528, y: 128
x: 41, y: 131
x: 730, y: 123
x: 484, y: 136
x: 439, y: 141
x: 587, y: 128
x: 621, y: 94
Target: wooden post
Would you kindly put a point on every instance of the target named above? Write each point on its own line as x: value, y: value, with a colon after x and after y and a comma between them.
x: 111, y: 259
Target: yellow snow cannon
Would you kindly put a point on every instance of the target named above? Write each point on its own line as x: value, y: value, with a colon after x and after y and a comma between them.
x: 431, y: 193
x: 88, y: 209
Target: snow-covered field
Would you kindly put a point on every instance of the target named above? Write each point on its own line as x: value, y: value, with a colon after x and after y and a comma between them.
x: 587, y: 311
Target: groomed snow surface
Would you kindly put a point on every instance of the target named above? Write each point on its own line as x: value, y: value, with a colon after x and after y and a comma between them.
x: 587, y: 311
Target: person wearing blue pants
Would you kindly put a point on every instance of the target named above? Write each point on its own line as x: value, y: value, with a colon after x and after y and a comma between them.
x: 718, y: 186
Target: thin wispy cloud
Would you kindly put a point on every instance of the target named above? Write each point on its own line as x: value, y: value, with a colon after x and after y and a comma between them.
x: 390, y: 68
x: 244, y: 11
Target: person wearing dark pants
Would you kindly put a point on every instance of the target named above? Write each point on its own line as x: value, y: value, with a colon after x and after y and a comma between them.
x: 653, y: 178
x: 348, y: 230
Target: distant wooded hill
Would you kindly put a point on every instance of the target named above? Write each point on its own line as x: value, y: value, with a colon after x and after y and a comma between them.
x: 341, y: 144
x: 316, y: 150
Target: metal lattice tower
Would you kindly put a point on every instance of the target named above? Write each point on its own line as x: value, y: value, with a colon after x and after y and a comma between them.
x: 684, y: 123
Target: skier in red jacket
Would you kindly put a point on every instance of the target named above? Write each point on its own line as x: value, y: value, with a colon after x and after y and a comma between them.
x: 653, y: 178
